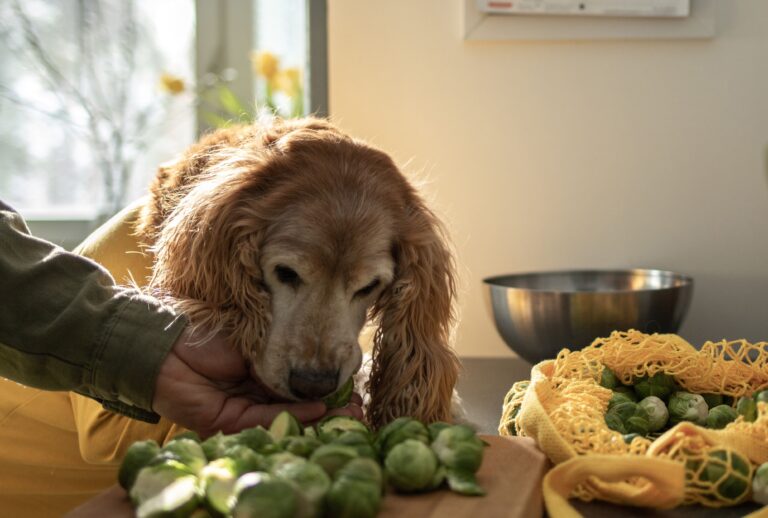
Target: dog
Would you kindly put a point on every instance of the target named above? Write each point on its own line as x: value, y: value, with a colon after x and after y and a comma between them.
x: 291, y: 236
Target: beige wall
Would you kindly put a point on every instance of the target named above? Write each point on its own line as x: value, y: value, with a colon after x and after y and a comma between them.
x: 574, y: 155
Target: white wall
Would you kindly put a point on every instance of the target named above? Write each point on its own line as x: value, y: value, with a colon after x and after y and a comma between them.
x: 574, y: 155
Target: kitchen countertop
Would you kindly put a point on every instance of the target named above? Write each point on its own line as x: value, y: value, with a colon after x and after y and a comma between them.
x: 482, y: 385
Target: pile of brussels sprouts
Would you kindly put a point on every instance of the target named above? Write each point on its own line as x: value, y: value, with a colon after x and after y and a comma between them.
x: 337, y: 468
x: 656, y: 403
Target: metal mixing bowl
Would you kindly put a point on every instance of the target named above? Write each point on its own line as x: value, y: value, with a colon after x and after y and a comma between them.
x: 538, y: 314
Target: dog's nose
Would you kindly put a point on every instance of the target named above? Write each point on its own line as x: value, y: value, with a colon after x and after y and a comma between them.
x: 312, y: 384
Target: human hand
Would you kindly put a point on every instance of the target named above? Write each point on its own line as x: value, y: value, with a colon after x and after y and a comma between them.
x: 206, y: 386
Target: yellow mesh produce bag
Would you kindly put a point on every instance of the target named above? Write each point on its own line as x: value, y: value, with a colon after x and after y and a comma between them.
x: 563, y: 408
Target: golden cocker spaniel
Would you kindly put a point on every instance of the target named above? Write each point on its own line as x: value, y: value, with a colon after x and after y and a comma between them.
x: 289, y: 237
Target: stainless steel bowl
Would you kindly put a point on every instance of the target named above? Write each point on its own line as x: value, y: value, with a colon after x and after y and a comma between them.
x: 538, y: 314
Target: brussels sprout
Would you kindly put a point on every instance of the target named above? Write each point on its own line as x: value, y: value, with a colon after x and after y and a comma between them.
x: 510, y: 424
x: 713, y: 400
x: 179, y: 498
x: 464, y: 483
x: 720, y: 416
x: 350, y: 498
x: 608, y: 379
x: 217, y: 481
x: 621, y: 397
x: 333, y: 426
x: 761, y: 396
x: 300, y: 445
x: 332, y: 457
x: 188, y: 434
x: 361, y: 442
x: 187, y: 452
x: 748, y: 408
x: 311, y: 484
x: 284, y: 425
x: 399, y: 430
x: 265, y: 496
x: 309, y: 431
x: 458, y: 448
x: 362, y: 470
x: 760, y: 485
x: 152, y: 479
x: 257, y: 439
x: 246, y: 459
x: 438, y: 426
x: 410, y: 466
x: 215, y: 445
x: 660, y: 385
x: 730, y: 486
x: 658, y: 415
x: 342, y: 396
x: 627, y: 418
x: 278, y: 459
x: 139, y: 455
x: 684, y: 406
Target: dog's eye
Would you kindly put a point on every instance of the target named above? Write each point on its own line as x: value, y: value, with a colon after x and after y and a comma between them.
x: 287, y: 276
x: 367, y: 289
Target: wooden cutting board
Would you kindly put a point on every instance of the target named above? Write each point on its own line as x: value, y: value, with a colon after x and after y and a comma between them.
x: 511, y: 475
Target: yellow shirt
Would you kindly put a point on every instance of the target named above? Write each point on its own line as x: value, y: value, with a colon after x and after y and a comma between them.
x: 58, y: 449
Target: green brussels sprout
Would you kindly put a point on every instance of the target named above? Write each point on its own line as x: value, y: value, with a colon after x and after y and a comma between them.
x: 309, y: 431
x: 342, y: 396
x: 246, y: 459
x: 411, y: 466
x: 730, y: 487
x: 458, y: 448
x: 188, y: 434
x: 660, y: 385
x: 215, y: 445
x: 331, y: 427
x: 361, y: 442
x: 151, y: 479
x: 622, y: 397
x: 362, y: 469
x: 720, y: 416
x: 510, y: 423
x: 186, y: 451
x: 438, y: 426
x: 300, y: 445
x: 464, y: 483
x: 311, y: 484
x: 265, y: 496
x: 138, y: 455
x: 332, y: 457
x: 284, y: 425
x: 276, y: 460
x: 627, y: 418
x: 217, y: 481
x: 761, y: 396
x: 399, y: 430
x: 658, y: 415
x: 760, y: 485
x: 684, y: 406
x: 747, y: 408
x: 713, y: 400
x: 258, y: 439
x: 615, y: 423
x: 608, y: 379
x: 350, y: 498
x: 179, y: 498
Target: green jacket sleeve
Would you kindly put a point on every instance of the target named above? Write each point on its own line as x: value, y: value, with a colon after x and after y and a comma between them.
x: 64, y: 325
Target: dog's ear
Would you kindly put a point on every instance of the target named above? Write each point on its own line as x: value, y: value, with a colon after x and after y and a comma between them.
x: 207, y: 257
x: 414, y: 367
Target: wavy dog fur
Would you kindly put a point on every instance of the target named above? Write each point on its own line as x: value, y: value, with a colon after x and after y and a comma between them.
x: 212, y: 213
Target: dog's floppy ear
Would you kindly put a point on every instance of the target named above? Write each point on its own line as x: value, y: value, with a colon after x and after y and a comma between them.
x: 414, y: 367
x: 207, y: 256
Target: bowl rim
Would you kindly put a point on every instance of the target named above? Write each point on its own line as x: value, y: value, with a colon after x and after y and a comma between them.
x: 686, y: 281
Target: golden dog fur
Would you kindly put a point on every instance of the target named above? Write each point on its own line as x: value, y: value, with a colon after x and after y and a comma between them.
x: 344, y: 211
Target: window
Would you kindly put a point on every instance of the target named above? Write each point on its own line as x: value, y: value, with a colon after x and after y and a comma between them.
x: 94, y: 95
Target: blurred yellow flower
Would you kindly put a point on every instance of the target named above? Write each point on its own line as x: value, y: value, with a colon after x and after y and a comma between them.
x: 171, y: 84
x: 265, y: 64
x: 288, y: 81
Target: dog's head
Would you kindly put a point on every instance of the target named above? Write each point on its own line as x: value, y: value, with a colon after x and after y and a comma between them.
x: 289, y: 238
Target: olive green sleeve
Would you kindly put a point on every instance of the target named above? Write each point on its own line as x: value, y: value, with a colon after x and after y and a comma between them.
x: 64, y: 325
